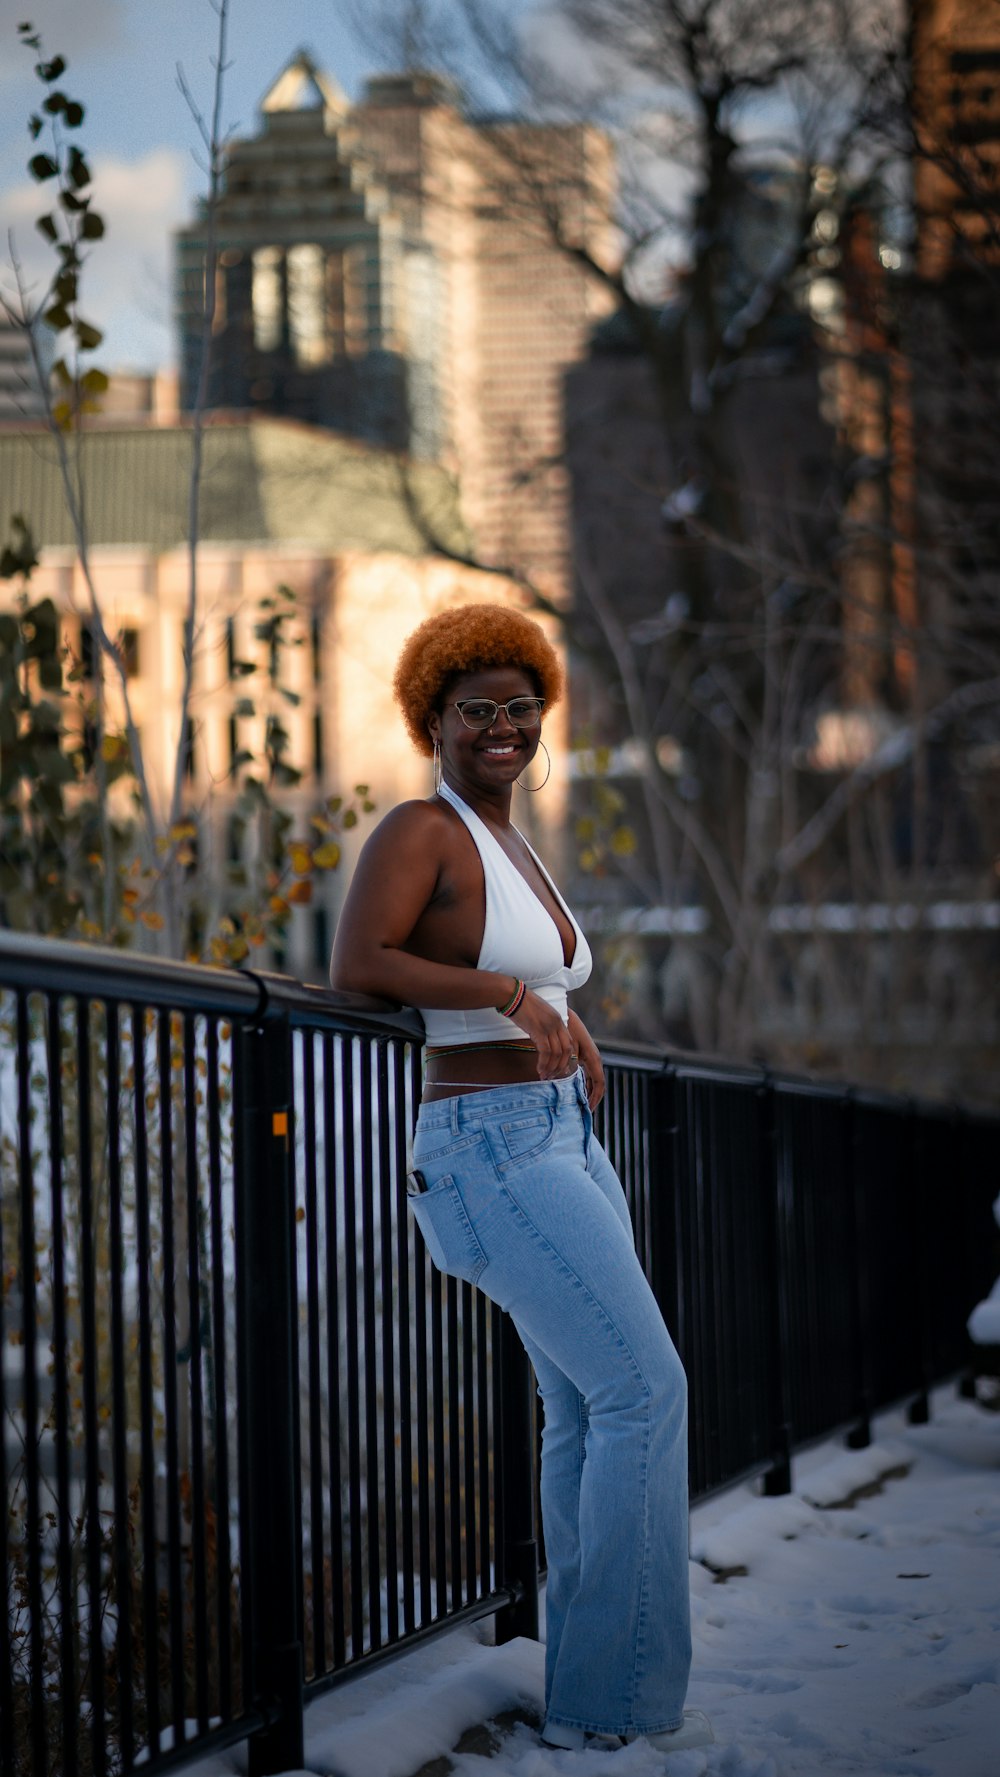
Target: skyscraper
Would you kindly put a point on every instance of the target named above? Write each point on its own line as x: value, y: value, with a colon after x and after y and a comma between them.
x: 397, y: 271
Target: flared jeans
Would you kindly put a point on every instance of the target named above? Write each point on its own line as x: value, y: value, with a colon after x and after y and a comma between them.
x: 522, y: 1201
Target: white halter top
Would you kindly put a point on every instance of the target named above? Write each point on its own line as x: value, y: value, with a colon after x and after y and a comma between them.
x: 520, y: 938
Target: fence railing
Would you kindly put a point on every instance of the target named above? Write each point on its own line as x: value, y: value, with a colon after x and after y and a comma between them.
x: 253, y: 1442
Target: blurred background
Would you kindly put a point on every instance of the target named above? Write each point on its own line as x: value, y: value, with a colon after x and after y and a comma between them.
x: 672, y: 321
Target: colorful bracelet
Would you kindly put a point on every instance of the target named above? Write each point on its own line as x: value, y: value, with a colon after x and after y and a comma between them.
x: 516, y: 997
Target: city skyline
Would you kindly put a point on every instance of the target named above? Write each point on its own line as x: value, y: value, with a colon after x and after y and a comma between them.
x: 141, y: 139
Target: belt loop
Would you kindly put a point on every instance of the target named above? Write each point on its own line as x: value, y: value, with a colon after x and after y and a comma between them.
x: 456, y: 1128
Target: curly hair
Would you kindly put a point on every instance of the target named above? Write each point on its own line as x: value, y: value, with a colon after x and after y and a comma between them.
x: 468, y: 639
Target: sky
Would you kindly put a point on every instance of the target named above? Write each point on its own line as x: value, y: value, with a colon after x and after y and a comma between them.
x: 139, y: 134
x: 856, y: 1633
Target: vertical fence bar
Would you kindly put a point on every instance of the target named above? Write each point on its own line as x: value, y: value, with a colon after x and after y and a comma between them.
x: 223, y: 1548
x: 60, y: 1381
x: 387, y: 1320
x: 266, y: 1278
x: 122, y: 1554
x: 400, y: 1133
x: 331, y: 1129
x: 371, y: 1456
x: 29, y: 1324
x: 315, y: 1428
x: 175, y: 1611
x: 195, y: 1408
x: 518, y: 1548
x: 352, y: 1352
x: 147, y: 1468
x: 92, y: 1515
x: 778, y: 1478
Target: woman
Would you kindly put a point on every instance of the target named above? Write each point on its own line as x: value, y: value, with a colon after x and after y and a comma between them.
x: 450, y: 911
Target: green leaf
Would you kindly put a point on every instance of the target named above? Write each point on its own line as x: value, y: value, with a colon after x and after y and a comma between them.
x: 42, y: 166
x: 47, y: 226
x: 70, y: 201
x: 65, y: 286
x: 55, y: 103
x: 57, y: 317
x: 35, y: 127
x: 49, y: 71
x: 88, y: 337
x: 62, y: 373
x: 92, y: 227
x: 74, y: 114
x: 94, y: 382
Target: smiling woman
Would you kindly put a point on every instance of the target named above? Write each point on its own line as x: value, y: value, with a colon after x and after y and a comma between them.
x: 451, y: 911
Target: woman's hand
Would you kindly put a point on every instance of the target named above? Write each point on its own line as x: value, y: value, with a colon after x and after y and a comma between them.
x: 590, y: 1060
x: 542, y: 1023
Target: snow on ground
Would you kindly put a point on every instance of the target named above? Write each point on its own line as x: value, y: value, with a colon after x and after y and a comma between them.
x: 862, y: 1638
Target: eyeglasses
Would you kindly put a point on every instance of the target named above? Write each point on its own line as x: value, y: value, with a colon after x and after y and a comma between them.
x: 482, y: 712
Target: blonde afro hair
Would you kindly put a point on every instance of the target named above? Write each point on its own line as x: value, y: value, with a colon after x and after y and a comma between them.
x: 468, y: 639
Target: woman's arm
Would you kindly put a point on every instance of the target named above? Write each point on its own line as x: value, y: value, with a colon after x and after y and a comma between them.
x: 395, y: 880
x: 590, y: 1059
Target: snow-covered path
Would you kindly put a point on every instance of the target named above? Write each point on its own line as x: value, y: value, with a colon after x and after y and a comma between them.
x: 860, y: 1639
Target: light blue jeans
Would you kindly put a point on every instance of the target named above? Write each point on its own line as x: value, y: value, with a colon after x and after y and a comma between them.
x: 523, y: 1202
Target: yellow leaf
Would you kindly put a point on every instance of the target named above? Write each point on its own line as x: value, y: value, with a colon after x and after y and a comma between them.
x: 279, y: 905
x: 301, y: 858
x: 300, y: 893
x: 327, y: 857
x: 623, y: 842
x: 153, y: 920
x: 238, y: 949
x: 183, y: 830
x: 111, y: 746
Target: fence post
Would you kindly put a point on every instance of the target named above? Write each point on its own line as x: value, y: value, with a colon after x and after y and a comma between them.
x: 778, y: 1478
x: 271, y: 1523
x: 859, y: 1435
x: 518, y: 1548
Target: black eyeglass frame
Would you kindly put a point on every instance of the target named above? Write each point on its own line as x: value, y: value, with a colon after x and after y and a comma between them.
x: 482, y: 728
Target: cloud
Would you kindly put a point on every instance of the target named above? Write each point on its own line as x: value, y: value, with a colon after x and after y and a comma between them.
x: 126, y: 285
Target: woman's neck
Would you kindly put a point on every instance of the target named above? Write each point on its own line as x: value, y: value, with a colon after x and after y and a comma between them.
x: 492, y: 807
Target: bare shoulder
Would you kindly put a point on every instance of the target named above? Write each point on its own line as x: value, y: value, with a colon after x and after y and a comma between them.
x: 412, y: 823
x: 412, y: 832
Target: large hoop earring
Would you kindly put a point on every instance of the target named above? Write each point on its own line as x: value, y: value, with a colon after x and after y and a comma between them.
x: 437, y: 766
x: 534, y: 788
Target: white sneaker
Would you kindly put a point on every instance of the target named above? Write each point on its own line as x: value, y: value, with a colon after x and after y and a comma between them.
x: 695, y: 1730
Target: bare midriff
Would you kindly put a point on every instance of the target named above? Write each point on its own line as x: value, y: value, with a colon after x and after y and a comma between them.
x: 449, y: 1073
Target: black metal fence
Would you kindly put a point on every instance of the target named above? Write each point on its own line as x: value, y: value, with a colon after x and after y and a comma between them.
x: 253, y: 1442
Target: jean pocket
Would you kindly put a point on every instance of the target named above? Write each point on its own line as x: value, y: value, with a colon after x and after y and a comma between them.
x: 525, y: 1136
x: 447, y: 1231
x: 436, y: 1143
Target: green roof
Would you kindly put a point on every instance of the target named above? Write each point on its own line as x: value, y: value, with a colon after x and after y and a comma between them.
x: 264, y: 481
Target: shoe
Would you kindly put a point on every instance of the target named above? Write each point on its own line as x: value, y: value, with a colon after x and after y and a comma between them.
x: 563, y: 1739
x: 695, y: 1730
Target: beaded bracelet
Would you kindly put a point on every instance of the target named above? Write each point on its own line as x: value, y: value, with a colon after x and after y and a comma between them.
x: 516, y: 997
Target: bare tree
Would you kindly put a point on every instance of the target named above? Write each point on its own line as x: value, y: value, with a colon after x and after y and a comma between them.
x: 771, y: 647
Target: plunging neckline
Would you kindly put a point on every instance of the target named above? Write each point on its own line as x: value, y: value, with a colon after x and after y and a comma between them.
x: 453, y: 796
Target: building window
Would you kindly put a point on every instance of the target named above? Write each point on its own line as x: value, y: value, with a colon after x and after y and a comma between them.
x: 128, y: 644
x: 267, y: 298
x: 307, y: 305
